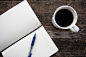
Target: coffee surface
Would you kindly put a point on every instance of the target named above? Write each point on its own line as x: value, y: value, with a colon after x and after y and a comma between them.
x: 64, y: 17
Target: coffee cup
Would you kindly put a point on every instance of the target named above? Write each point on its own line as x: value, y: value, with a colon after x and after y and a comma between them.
x: 65, y: 17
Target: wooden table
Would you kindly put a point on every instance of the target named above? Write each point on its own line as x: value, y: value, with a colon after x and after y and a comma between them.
x: 70, y: 44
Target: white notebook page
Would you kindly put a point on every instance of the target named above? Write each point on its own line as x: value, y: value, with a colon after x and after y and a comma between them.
x: 16, y: 23
x: 43, y: 47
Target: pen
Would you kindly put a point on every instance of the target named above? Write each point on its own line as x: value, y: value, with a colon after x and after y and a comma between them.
x: 32, y: 44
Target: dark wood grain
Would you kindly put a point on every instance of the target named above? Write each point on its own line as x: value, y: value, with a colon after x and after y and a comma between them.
x: 70, y: 47
x: 70, y: 44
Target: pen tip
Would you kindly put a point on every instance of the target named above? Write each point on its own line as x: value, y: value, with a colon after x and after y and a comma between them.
x: 35, y: 35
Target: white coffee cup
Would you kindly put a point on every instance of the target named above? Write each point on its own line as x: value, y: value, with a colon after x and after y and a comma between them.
x: 72, y: 26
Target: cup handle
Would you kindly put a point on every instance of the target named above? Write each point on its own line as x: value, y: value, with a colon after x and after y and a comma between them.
x: 74, y: 28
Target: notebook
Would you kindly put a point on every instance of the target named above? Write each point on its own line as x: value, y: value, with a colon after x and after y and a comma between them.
x: 17, y: 27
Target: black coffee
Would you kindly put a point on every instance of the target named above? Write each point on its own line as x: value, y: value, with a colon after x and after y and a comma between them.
x: 64, y: 17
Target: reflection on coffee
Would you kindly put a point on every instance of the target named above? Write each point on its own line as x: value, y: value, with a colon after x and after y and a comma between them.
x: 64, y: 17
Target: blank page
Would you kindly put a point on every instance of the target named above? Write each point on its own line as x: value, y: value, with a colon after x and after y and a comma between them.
x: 16, y: 23
x: 43, y: 47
